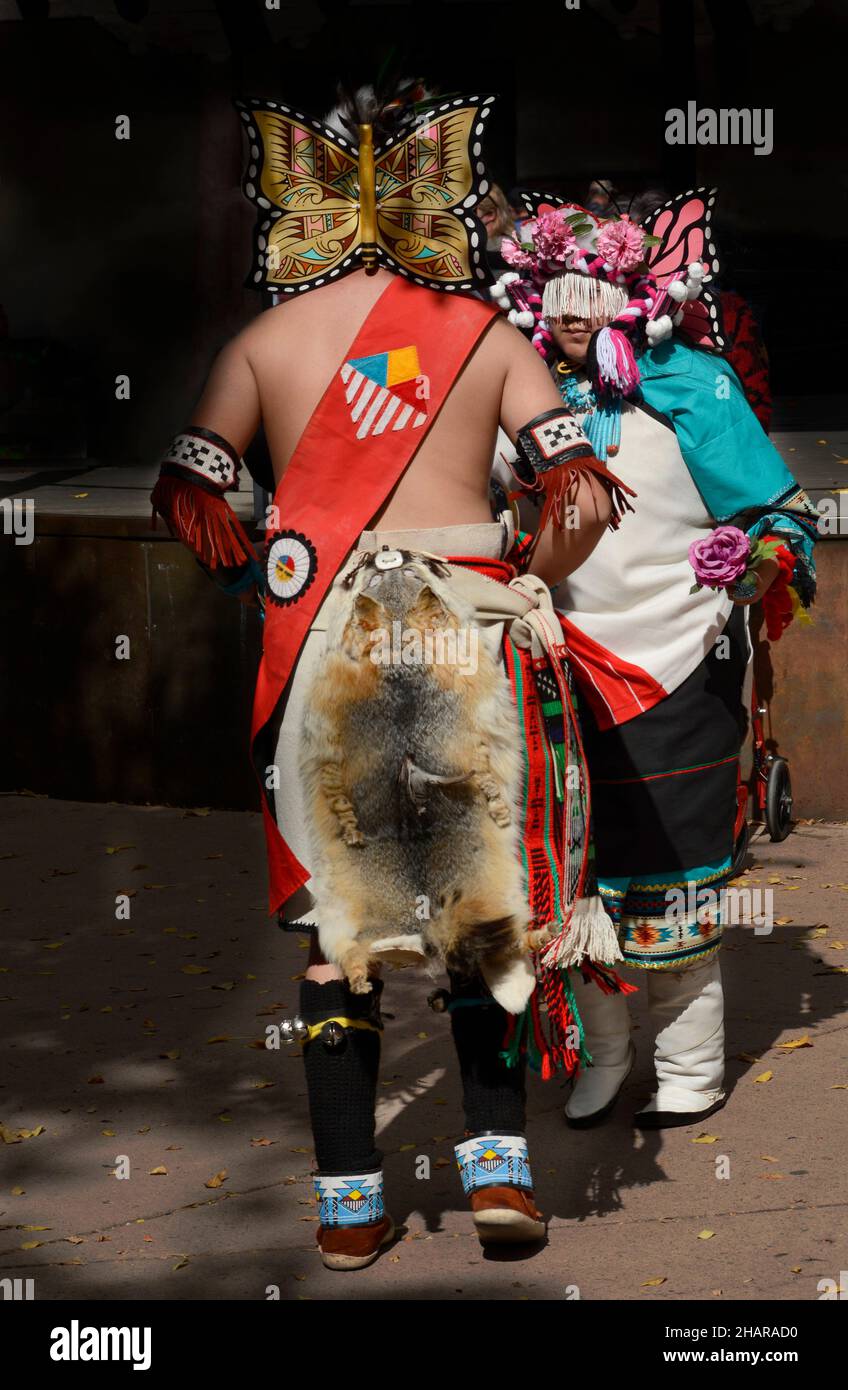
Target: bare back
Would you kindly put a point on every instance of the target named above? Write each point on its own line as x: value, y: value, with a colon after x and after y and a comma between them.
x: 278, y: 368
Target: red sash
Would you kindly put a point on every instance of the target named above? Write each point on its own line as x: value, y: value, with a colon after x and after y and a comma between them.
x: 369, y: 424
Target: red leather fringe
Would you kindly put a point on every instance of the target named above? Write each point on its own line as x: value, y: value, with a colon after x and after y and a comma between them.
x: 556, y: 484
x: 204, y: 521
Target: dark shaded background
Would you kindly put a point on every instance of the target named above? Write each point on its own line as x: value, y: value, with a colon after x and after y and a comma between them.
x: 130, y: 256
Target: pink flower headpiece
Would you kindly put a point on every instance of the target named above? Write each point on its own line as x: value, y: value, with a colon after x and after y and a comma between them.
x: 557, y: 249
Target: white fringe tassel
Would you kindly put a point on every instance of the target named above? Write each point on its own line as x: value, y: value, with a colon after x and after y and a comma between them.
x: 590, y: 933
x: 583, y: 297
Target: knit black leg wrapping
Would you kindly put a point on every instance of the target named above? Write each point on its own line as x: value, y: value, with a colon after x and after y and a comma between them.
x: 493, y: 1093
x: 342, y: 1083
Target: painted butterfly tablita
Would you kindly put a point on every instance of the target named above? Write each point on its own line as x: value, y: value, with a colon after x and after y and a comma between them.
x: 684, y: 228
x: 328, y: 206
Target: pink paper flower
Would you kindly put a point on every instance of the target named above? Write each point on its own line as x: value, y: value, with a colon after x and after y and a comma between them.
x: 553, y: 238
x: 513, y: 252
x: 721, y: 557
x: 622, y: 244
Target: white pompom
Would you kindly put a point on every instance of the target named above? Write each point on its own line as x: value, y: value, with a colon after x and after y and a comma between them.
x: 677, y: 291
x: 678, y: 318
x: 658, y: 329
x: 524, y: 319
x: 695, y: 271
x: 509, y: 277
x: 693, y: 289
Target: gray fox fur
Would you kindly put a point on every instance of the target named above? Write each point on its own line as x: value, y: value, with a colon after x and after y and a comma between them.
x: 411, y: 774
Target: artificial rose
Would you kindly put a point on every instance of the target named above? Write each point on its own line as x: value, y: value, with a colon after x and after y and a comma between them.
x: 720, y: 558
x: 553, y: 237
x: 622, y: 244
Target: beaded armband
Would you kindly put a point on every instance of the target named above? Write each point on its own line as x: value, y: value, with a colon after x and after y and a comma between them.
x: 202, y: 456
x: 551, y: 440
x: 198, y: 468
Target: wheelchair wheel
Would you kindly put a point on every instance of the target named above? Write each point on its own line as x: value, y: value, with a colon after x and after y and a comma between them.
x: 779, y: 799
x: 740, y: 851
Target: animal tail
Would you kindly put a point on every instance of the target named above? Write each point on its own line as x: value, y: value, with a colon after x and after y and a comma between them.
x: 465, y: 934
x: 470, y: 941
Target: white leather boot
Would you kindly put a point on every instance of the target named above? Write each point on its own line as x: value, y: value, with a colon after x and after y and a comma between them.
x: 606, y: 1023
x: 687, y: 1008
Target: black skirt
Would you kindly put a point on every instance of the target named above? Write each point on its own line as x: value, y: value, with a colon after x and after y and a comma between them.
x: 664, y: 783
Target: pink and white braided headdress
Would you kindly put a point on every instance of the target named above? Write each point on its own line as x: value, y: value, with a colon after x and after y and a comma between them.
x: 570, y: 264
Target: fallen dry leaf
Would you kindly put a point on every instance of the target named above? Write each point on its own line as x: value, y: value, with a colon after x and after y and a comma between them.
x: 796, y: 1042
x: 653, y: 1283
x: 707, y: 1139
x: 159, y: 1172
x: 706, y: 1235
x: 217, y: 1180
x: 763, y: 1076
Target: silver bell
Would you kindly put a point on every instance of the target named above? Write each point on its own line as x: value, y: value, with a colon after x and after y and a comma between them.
x: 293, y: 1029
x: 333, y: 1036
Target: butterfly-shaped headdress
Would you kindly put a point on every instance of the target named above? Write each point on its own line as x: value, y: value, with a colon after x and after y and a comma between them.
x: 329, y: 205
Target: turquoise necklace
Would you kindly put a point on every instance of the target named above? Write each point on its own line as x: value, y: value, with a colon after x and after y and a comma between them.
x: 601, y: 423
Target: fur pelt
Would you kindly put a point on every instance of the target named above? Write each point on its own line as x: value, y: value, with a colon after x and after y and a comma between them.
x: 411, y: 773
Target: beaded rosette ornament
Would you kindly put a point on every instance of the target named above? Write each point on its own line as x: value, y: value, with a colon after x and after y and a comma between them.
x: 635, y: 284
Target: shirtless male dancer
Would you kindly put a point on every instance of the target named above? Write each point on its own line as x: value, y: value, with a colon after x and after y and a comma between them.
x: 424, y: 487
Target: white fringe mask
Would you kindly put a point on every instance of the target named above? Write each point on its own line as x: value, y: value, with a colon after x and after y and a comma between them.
x: 577, y: 296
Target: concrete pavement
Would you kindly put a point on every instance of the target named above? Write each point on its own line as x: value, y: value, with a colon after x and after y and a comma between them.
x: 139, y: 1043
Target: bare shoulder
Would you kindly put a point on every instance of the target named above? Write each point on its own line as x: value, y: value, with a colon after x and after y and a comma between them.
x: 512, y: 349
x: 268, y: 330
